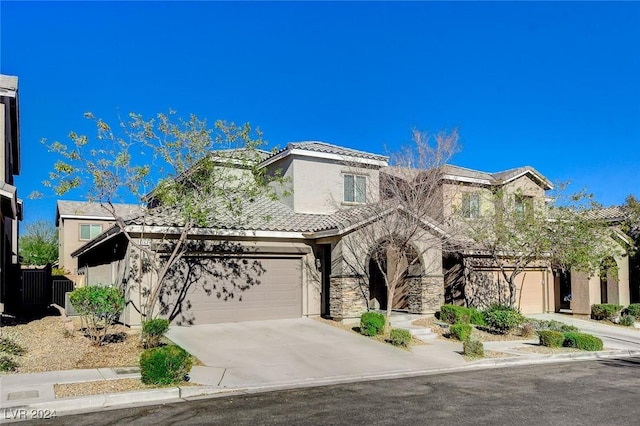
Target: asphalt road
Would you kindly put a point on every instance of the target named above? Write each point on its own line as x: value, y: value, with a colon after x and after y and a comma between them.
x: 603, y: 392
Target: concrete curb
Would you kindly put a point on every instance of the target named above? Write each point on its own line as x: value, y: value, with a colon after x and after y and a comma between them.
x: 83, y: 404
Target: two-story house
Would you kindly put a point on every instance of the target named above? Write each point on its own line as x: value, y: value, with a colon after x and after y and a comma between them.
x: 10, y: 205
x: 293, y: 257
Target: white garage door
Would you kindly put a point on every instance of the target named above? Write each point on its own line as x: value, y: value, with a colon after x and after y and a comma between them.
x: 276, y: 293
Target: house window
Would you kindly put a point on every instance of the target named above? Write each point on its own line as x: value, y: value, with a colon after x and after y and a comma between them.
x: 470, y: 206
x: 355, y: 189
x: 89, y: 232
x: 524, y: 207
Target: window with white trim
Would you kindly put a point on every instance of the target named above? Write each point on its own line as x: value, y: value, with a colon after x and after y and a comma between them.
x: 89, y: 232
x: 355, y: 187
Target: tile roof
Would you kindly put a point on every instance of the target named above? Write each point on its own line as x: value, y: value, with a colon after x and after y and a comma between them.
x: 610, y: 214
x: 85, y: 208
x: 326, y: 148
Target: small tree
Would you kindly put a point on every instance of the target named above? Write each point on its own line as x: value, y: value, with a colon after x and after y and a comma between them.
x: 39, y: 243
x: 408, y: 220
x: 100, y: 307
x: 181, y: 168
x: 521, y: 231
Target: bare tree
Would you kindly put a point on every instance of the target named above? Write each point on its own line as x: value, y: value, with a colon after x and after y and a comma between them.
x: 404, y: 226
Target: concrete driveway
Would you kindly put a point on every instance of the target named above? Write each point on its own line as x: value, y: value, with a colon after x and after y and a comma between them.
x: 280, y: 352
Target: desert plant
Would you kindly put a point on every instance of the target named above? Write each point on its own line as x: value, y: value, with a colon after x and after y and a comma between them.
x: 552, y: 325
x: 476, y: 317
x: 460, y: 331
x: 583, y: 341
x: 400, y: 337
x: 371, y: 323
x: 164, y: 365
x: 634, y: 310
x: 550, y: 338
x: 502, y: 318
x: 627, y: 320
x: 454, y: 314
x: 11, y: 347
x: 527, y: 329
x: 7, y: 363
x: 473, y: 348
x: 605, y: 311
x: 152, y: 331
x: 99, y: 308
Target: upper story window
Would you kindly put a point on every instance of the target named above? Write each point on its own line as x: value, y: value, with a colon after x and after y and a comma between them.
x: 523, y: 206
x: 355, y: 187
x: 89, y: 232
x: 470, y: 208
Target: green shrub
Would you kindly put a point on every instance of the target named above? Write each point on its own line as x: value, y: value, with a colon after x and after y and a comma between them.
x: 400, y: 337
x: 586, y: 342
x: 502, y: 318
x: 550, y: 338
x: 153, y: 330
x: 7, y: 363
x: 627, y: 320
x: 473, y: 348
x: 10, y: 347
x: 454, y: 314
x: 165, y: 365
x: 605, y: 311
x: 476, y: 317
x: 371, y: 323
x: 99, y: 307
x: 460, y: 331
x: 634, y: 310
x: 552, y: 325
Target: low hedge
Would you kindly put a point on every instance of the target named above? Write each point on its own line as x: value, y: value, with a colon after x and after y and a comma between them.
x: 550, y: 338
x: 371, y: 323
x: 552, y: 325
x: 605, y: 311
x: 503, y: 318
x: 165, y: 365
x: 586, y: 342
x: 473, y: 348
x: 455, y: 314
x: 461, y: 331
x: 634, y: 310
x: 400, y: 337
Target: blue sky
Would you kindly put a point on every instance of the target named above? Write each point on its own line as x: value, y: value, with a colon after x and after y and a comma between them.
x: 552, y: 85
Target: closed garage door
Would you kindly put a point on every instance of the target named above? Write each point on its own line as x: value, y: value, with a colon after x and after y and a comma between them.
x: 276, y: 293
x: 531, y: 292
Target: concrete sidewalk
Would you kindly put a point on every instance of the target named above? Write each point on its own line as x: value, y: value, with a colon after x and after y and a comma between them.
x: 21, y: 394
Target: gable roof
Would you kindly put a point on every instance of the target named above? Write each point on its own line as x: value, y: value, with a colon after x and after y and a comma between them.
x: 499, y: 178
x: 86, y: 210
x: 328, y: 151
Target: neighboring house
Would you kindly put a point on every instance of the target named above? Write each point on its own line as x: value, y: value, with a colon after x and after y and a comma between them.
x: 10, y: 205
x: 293, y: 259
x: 79, y: 222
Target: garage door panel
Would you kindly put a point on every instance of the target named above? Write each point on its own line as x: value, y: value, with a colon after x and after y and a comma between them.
x: 278, y: 295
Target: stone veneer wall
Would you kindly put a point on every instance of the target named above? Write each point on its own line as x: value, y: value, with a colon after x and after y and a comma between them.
x: 425, y: 294
x: 348, y: 297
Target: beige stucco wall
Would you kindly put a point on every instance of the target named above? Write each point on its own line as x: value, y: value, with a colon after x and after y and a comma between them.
x: 69, y: 240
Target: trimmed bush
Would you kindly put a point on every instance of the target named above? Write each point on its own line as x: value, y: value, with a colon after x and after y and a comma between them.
x: 371, y: 323
x: 627, y: 320
x: 586, y: 342
x: 476, y: 317
x: 454, y: 314
x: 473, y: 348
x: 10, y: 347
x: 400, y: 337
x: 99, y: 307
x: 153, y: 330
x: 165, y: 365
x: 605, y: 311
x: 550, y: 338
x: 460, y: 331
x: 634, y: 310
x: 502, y: 318
x: 7, y: 363
x: 552, y: 325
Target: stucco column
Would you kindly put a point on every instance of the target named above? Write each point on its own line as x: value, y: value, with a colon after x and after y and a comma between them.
x: 348, y: 297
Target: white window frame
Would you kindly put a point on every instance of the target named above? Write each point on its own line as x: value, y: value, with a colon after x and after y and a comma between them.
x: 92, y: 227
x: 356, y: 189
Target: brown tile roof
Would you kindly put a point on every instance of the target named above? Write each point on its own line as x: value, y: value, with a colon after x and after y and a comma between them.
x: 85, y: 208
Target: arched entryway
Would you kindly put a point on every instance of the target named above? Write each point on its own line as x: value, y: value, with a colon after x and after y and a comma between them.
x: 385, y: 261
